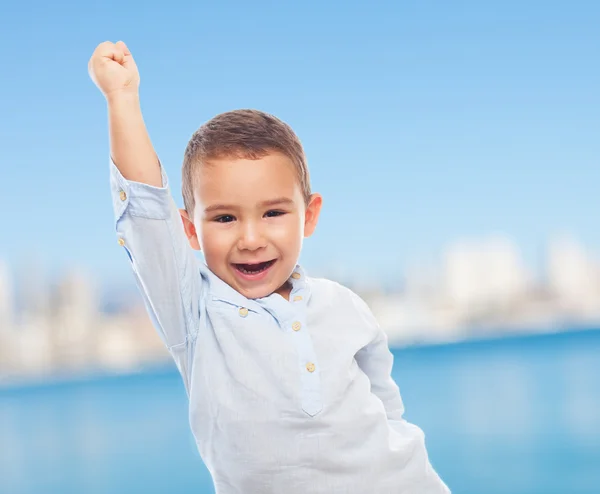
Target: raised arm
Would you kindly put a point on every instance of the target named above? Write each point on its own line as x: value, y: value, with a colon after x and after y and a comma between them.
x: 115, y: 73
x: 148, y: 223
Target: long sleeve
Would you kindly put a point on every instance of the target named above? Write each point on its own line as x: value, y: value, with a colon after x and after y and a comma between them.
x: 150, y: 230
x: 376, y: 361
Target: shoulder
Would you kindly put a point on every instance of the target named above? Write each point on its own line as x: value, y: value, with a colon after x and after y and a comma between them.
x: 340, y: 296
x: 328, y: 289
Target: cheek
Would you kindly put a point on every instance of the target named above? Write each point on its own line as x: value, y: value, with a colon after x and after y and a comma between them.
x: 214, y: 243
x: 290, y: 232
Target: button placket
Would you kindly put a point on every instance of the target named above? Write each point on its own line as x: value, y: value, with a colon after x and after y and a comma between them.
x: 307, y: 366
x: 293, y: 312
x: 311, y: 387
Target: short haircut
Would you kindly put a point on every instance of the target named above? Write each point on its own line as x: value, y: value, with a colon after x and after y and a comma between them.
x: 241, y: 134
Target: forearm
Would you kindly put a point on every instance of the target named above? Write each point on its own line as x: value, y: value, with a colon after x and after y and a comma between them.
x: 130, y: 145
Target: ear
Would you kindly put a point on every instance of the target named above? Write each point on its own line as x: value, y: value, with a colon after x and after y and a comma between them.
x: 311, y: 216
x: 190, y: 229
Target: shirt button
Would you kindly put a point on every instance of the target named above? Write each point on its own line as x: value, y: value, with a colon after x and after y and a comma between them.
x: 121, y: 242
x: 243, y: 311
x: 296, y: 275
x: 297, y: 298
x: 296, y: 326
x: 122, y: 195
x: 310, y: 367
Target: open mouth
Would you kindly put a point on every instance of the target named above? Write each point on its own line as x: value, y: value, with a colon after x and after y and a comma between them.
x: 255, y: 268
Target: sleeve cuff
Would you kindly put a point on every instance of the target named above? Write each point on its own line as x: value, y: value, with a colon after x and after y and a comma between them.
x: 140, y: 199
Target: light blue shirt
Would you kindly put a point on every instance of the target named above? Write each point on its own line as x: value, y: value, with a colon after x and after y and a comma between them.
x: 291, y: 397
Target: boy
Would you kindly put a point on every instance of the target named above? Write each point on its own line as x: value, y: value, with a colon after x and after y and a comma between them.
x: 288, y: 377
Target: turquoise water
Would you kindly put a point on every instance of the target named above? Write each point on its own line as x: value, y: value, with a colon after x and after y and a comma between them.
x: 515, y: 416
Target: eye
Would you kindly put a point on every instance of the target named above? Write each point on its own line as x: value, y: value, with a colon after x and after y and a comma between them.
x: 272, y: 214
x: 226, y: 218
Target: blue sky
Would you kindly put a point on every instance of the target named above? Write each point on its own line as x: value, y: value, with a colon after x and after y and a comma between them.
x: 423, y: 122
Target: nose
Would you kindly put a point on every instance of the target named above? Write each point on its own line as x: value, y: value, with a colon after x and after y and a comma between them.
x: 251, y: 237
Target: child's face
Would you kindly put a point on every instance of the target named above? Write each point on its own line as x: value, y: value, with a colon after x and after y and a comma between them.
x: 249, y: 220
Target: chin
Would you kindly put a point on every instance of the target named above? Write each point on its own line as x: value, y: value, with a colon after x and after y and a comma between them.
x: 257, y: 292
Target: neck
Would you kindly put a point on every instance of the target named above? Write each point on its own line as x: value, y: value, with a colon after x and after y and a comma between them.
x: 284, y: 290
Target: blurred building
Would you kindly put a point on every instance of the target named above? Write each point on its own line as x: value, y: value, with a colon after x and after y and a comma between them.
x: 573, y: 278
x: 485, y: 275
x: 7, y: 336
x: 6, y: 300
x: 75, y: 318
x: 478, y: 282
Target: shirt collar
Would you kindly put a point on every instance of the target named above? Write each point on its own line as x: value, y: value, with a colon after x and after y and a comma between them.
x: 220, y: 290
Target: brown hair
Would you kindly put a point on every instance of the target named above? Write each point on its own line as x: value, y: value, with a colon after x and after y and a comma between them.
x: 248, y: 134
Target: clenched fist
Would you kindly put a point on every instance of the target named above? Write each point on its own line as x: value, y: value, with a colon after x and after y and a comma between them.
x: 113, y: 69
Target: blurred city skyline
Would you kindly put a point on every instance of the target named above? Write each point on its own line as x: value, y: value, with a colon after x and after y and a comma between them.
x: 422, y: 123
x: 495, y: 251
x: 480, y: 288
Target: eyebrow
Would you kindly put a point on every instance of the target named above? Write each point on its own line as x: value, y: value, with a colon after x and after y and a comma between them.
x: 270, y: 202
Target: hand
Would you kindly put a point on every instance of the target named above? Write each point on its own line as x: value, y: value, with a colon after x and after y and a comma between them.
x: 113, y: 69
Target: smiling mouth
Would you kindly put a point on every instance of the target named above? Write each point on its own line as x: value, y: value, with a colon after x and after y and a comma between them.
x: 254, y: 268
